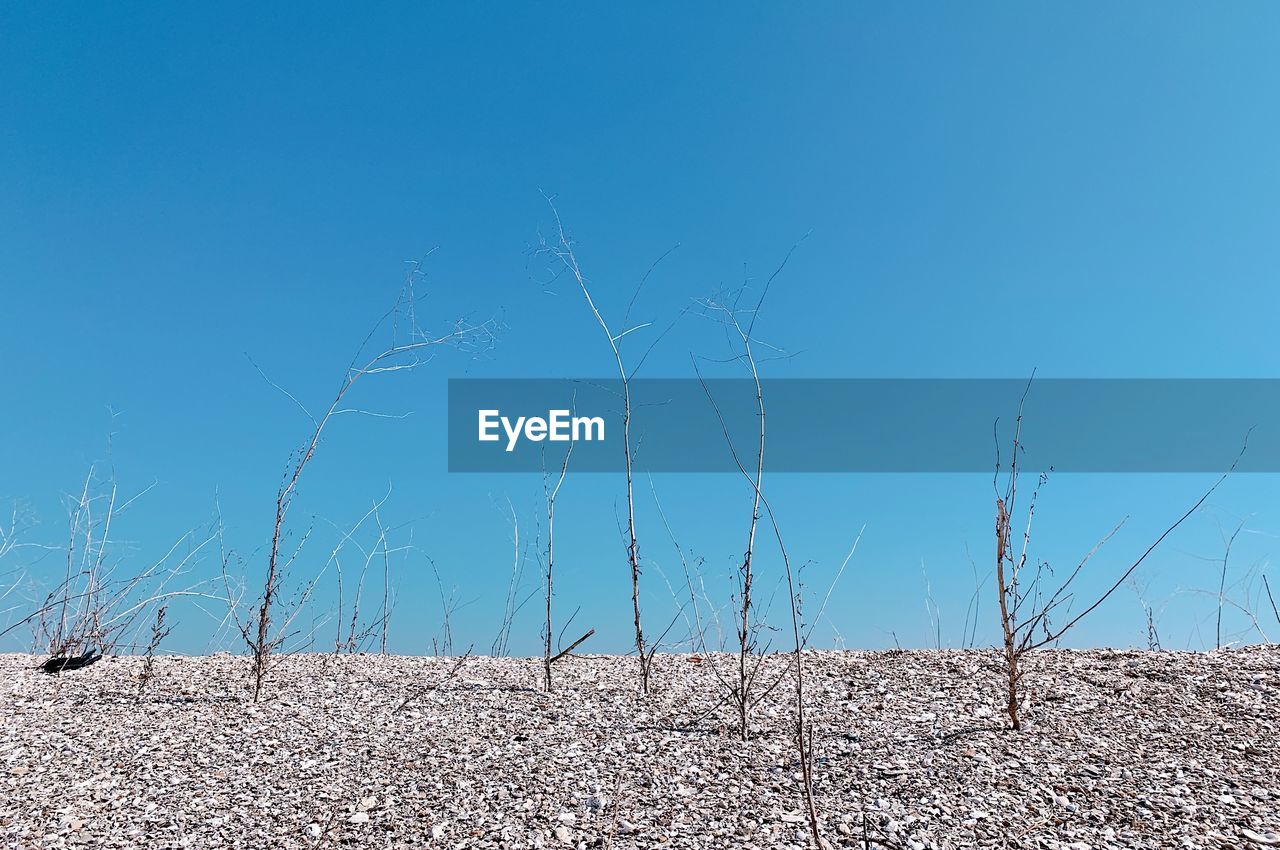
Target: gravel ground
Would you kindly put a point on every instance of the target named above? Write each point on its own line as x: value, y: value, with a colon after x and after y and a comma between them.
x: 1122, y: 749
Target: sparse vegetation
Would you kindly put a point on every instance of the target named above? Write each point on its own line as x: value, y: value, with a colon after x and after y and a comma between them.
x: 265, y: 632
x: 766, y: 700
x: 560, y: 248
x: 1030, y: 603
x: 159, y: 631
x: 102, y: 597
x: 740, y: 324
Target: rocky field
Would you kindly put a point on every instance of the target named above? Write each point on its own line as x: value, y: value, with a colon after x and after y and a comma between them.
x: 1121, y: 749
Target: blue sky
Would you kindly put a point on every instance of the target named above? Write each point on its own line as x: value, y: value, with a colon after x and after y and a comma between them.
x: 1087, y: 190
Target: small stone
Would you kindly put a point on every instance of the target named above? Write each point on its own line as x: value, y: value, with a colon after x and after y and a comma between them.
x: 563, y: 834
x: 359, y: 817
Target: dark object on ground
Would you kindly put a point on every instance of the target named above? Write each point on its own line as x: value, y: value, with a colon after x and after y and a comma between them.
x: 75, y: 662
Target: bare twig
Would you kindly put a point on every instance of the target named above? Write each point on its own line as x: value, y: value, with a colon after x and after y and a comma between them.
x: 422, y: 691
x: 261, y: 636
x: 570, y: 648
x: 1271, y: 598
x: 563, y: 251
x: 1227, y: 543
x: 551, y: 492
x: 513, y: 602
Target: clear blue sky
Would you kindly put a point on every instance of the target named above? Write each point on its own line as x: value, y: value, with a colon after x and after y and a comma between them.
x: 1085, y: 189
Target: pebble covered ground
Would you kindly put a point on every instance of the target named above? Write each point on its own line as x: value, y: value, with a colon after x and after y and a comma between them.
x: 1121, y: 749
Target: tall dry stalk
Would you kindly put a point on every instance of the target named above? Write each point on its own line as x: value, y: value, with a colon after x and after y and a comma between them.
x: 748, y: 668
x: 263, y: 641
x: 1148, y: 613
x: 1274, y: 610
x: 551, y: 492
x: 159, y: 631
x: 739, y: 326
x: 355, y: 634
x: 351, y: 634
x: 1026, y: 603
x: 1227, y: 543
x: 563, y: 252
x: 803, y: 726
x: 514, y: 601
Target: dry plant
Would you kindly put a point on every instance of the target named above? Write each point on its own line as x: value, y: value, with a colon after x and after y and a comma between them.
x: 972, y: 614
x: 931, y: 609
x: 1140, y: 590
x: 739, y: 325
x: 691, y: 569
x: 1227, y: 542
x: 562, y: 251
x: 741, y: 688
x: 384, y: 613
x: 354, y: 634
x: 549, y: 572
x: 159, y: 631
x: 516, y: 597
x: 442, y: 640
x: 691, y: 598
x: 1029, y: 602
x: 1245, y: 594
x: 99, y: 602
x: 550, y: 492
x: 262, y: 633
